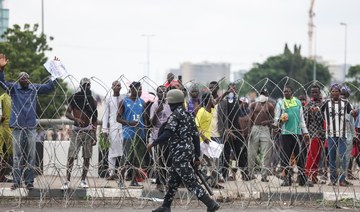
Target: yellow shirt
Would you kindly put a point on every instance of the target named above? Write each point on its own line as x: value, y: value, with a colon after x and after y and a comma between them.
x: 203, y: 122
x: 5, y: 101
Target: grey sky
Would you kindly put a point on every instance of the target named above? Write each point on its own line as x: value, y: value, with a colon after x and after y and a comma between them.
x: 104, y: 38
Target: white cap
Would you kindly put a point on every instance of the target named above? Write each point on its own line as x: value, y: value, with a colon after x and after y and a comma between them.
x: 244, y: 99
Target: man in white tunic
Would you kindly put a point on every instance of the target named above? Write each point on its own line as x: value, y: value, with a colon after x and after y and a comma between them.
x: 113, y: 129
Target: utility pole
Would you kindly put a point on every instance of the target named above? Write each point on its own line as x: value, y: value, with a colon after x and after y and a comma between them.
x: 148, y: 36
x: 314, y: 56
x: 42, y: 16
x: 310, y: 28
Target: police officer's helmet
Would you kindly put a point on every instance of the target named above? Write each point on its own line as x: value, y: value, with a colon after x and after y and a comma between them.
x: 175, y: 96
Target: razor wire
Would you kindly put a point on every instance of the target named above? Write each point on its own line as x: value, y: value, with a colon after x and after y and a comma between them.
x: 236, y: 190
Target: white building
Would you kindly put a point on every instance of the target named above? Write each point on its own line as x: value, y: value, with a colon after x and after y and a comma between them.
x: 236, y: 75
x: 205, y: 72
x: 4, y: 18
x: 337, y: 73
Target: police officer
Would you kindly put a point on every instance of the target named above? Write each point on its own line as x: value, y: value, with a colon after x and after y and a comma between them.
x: 181, y: 132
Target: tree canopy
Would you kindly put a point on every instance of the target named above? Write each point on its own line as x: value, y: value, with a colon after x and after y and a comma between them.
x: 288, y: 64
x: 353, y: 81
x: 25, y: 48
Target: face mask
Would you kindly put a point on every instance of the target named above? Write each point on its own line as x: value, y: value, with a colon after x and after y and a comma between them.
x: 230, y: 97
x: 263, y: 98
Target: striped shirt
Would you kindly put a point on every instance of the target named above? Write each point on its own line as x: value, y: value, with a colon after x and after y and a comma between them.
x: 334, y: 113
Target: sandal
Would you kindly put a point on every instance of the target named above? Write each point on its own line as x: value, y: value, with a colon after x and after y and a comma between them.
x: 231, y: 178
x: 14, y: 186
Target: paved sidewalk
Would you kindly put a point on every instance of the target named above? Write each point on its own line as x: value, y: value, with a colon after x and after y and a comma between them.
x: 49, y: 186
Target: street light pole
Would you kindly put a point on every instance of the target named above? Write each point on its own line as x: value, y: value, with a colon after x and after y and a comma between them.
x: 314, y: 68
x: 42, y: 16
x: 148, y: 52
x: 345, y: 51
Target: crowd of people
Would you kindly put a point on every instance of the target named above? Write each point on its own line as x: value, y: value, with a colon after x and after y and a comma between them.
x: 261, y: 137
x: 258, y: 137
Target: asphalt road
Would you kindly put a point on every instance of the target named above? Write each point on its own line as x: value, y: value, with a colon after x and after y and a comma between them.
x: 226, y: 208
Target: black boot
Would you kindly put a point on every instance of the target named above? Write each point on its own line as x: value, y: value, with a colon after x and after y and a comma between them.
x: 357, y: 160
x: 3, y: 172
x: 166, y: 206
x: 162, y: 209
x: 350, y: 176
x: 210, y: 203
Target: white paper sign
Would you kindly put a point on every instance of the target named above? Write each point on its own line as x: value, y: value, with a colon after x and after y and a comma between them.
x: 56, y: 69
x: 212, y: 149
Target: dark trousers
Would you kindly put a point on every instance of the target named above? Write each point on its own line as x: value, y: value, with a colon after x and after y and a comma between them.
x: 238, y: 147
x: 275, y: 156
x: 293, y: 144
x: 182, y: 171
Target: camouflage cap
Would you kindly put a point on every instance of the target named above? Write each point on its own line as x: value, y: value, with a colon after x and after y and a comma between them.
x: 175, y: 96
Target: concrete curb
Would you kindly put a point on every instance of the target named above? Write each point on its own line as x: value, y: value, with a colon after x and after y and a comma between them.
x: 157, y: 196
x: 333, y: 196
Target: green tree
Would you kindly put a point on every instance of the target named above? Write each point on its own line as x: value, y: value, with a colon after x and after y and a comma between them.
x: 286, y: 68
x: 353, y: 81
x: 26, y: 50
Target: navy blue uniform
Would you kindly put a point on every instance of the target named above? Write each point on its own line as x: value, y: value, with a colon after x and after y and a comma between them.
x: 184, y: 147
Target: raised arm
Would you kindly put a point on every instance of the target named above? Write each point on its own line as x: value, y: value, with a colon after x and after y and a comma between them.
x: 46, y: 88
x: 3, y: 84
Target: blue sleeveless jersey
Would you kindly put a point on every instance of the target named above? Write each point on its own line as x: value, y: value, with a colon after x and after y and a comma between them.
x: 133, y: 112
